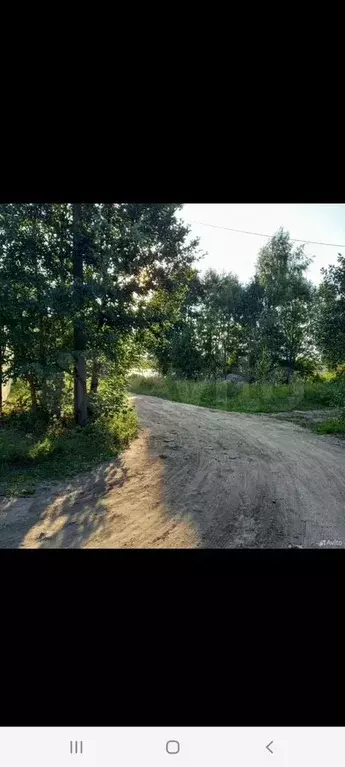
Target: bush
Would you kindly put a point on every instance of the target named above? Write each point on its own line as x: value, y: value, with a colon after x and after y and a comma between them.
x: 110, y: 397
x: 59, y: 449
x: 14, y: 446
x: 340, y: 373
x: 324, y: 394
x: 333, y: 426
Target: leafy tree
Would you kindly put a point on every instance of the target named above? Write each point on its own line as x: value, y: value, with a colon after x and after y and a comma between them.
x: 170, y: 324
x: 263, y: 329
x: 263, y: 365
x: 285, y: 321
x: 209, y: 325
x: 76, y: 282
x: 229, y: 303
x: 253, y: 297
x: 219, y: 322
x: 28, y: 282
x: 330, y: 323
x: 205, y: 335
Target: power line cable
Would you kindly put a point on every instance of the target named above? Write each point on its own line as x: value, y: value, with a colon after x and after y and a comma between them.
x: 260, y: 234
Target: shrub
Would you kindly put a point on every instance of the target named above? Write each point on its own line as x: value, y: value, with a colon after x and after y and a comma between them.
x: 59, y: 449
x: 14, y: 446
x: 333, y: 426
x: 340, y: 373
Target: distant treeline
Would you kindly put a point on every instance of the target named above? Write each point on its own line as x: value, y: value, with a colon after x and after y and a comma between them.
x: 270, y: 329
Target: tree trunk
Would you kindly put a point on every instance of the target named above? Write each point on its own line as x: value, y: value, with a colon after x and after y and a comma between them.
x: 95, y: 377
x: 288, y: 372
x: 80, y: 394
x: 226, y: 346
x: 33, y: 394
x: 0, y: 381
x: 225, y: 357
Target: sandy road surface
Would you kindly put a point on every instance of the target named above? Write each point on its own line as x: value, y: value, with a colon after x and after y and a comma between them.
x: 195, y: 478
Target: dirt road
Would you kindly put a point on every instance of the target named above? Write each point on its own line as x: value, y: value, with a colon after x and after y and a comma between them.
x: 195, y: 478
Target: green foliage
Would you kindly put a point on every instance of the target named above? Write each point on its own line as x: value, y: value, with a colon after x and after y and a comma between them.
x: 251, y: 398
x: 307, y: 367
x: 330, y: 323
x: 219, y: 322
x: 36, y: 448
x: 115, y: 285
x: 186, y: 359
x: 324, y: 394
x: 58, y: 451
x: 324, y: 375
x: 74, y: 285
x: 332, y: 426
x: 110, y: 397
x: 264, y: 365
x: 169, y: 332
x: 263, y: 330
x: 339, y: 372
x: 288, y: 304
x: 79, y: 286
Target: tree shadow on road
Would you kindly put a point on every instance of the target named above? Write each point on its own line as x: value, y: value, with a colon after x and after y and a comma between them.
x: 178, y: 486
x: 65, y: 516
x: 219, y: 487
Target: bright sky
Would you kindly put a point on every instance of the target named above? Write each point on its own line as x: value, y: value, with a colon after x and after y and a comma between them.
x: 237, y: 253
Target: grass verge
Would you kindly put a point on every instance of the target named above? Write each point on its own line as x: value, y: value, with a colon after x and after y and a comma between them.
x: 249, y: 398
x: 35, y: 454
x: 332, y: 426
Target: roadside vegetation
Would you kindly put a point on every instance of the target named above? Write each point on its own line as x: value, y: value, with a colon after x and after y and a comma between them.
x: 279, y: 336
x: 331, y: 426
x: 75, y: 285
x: 248, y: 398
x: 255, y: 398
x: 35, y: 449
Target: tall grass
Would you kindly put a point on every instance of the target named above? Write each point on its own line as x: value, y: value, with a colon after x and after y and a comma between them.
x: 332, y: 426
x: 34, y: 450
x: 250, y: 398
